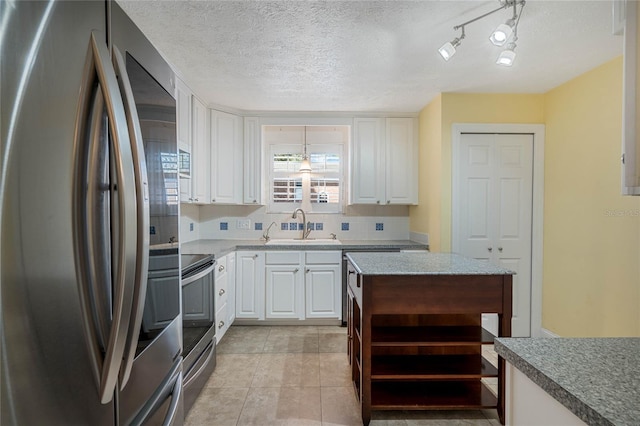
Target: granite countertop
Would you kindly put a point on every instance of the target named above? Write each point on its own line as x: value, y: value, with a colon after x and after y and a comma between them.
x: 223, y: 247
x: 422, y: 264
x: 598, y: 379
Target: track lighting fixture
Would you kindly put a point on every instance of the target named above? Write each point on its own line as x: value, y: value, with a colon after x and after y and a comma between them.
x: 505, y: 33
x: 508, y: 55
x: 449, y: 48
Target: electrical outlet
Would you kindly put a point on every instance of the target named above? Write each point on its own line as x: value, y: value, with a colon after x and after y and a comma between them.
x: 243, y: 224
x: 191, y: 227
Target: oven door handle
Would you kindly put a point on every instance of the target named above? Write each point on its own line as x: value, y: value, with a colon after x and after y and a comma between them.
x: 192, y: 278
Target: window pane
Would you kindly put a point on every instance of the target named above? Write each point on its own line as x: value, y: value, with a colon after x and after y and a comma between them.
x: 286, y: 163
x: 287, y: 190
x: 325, y: 162
x: 325, y: 190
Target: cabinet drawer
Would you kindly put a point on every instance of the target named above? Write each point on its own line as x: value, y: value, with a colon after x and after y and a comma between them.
x: 323, y: 257
x: 282, y: 258
x: 222, y: 322
x: 221, y: 265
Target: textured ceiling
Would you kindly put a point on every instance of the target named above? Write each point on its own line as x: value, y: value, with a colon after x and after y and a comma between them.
x: 367, y: 55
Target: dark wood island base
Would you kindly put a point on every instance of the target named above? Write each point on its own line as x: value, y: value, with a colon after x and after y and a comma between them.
x: 415, y: 340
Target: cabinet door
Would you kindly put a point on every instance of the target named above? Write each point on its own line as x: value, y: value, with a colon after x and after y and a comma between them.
x: 226, y: 158
x: 631, y: 107
x: 250, y: 285
x: 284, y: 292
x: 200, y: 153
x: 323, y: 295
x: 401, y: 162
x: 183, y: 133
x: 367, y: 161
x: 252, y: 161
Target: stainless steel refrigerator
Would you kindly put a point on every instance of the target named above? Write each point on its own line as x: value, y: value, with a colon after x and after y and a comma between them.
x: 89, y: 257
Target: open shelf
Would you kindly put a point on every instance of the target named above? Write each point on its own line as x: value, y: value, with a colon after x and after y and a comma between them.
x: 430, y: 336
x: 431, y: 367
x: 431, y: 395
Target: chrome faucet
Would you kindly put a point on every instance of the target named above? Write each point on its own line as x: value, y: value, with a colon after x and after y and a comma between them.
x: 305, y: 228
x: 265, y: 234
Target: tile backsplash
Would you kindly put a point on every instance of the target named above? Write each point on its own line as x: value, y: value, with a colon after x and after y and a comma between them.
x: 359, y: 223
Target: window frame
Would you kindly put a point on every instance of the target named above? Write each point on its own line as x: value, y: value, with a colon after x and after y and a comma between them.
x: 273, y: 147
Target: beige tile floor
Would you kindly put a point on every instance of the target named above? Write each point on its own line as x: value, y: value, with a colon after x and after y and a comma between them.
x: 297, y: 376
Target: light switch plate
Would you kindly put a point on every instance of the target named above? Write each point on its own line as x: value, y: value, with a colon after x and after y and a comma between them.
x: 243, y: 224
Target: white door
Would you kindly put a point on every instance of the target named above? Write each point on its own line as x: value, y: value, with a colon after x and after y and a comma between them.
x: 494, y: 199
x: 284, y: 292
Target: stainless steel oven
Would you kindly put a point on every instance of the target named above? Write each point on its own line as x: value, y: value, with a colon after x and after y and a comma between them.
x: 198, y: 323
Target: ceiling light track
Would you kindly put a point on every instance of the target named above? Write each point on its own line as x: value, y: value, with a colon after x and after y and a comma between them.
x: 506, y: 32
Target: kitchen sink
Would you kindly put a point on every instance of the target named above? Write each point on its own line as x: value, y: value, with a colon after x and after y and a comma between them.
x: 298, y: 241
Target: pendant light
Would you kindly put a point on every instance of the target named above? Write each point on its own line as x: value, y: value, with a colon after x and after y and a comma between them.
x: 305, y: 166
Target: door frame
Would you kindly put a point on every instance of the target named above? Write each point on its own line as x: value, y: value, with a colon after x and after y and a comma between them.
x: 537, y: 217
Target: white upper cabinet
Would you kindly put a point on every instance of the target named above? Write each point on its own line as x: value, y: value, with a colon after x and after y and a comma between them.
x: 252, y: 193
x: 200, y: 153
x: 367, y: 161
x: 384, y: 161
x: 401, y: 166
x: 226, y: 158
x: 183, y: 133
x: 631, y: 108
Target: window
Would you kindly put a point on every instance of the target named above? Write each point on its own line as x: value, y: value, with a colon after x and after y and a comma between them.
x: 321, y: 190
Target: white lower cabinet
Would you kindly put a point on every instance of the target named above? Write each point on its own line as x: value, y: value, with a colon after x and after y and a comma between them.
x: 250, y: 287
x: 284, y: 285
x: 303, y: 284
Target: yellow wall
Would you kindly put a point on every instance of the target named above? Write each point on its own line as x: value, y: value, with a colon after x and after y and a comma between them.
x: 425, y: 217
x: 591, y: 233
x: 591, y: 276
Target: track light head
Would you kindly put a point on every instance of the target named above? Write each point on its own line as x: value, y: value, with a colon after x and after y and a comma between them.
x: 507, y: 56
x: 502, y: 33
x: 449, y: 48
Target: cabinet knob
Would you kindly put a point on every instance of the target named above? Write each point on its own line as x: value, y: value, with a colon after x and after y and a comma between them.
x: 255, y: 256
x: 213, y: 200
x: 196, y: 199
x: 221, y: 268
x: 500, y: 249
x: 351, y: 272
x: 220, y: 324
x: 221, y: 292
x: 378, y: 202
x: 190, y: 199
x: 388, y: 201
x: 490, y: 249
x: 255, y: 201
x: 308, y: 270
x: 295, y: 271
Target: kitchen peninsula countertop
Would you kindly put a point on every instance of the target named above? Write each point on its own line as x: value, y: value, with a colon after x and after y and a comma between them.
x: 422, y: 264
x: 598, y: 379
x: 222, y: 247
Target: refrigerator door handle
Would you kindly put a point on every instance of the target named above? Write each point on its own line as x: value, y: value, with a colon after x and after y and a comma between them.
x: 142, y: 220
x: 100, y: 77
x: 174, y: 408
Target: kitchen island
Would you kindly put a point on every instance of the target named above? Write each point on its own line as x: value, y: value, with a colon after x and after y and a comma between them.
x: 415, y: 334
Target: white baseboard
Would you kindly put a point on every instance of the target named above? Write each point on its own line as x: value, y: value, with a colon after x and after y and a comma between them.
x: 546, y: 333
